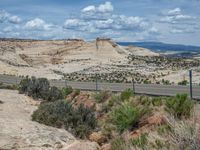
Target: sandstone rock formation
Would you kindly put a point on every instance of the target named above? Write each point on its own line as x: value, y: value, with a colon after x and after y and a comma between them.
x: 17, y: 131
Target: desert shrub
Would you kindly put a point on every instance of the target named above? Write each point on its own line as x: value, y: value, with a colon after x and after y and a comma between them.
x: 84, y: 121
x: 24, y: 85
x: 66, y: 91
x: 124, y: 142
x: 140, y: 142
x: 184, y: 135
x: 36, y: 88
x: 179, y: 106
x: 126, y: 94
x: 80, y: 121
x: 9, y: 87
x: 164, y: 129
x: 126, y: 117
x: 114, y: 100
x: 146, y: 81
x: 165, y: 82
x: 157, y: 101
x: 1, y: 102
x: 55, y: 94
x: 102, y: 96
x: 144, y: 100
x: 118, y: 144
x: 76, y: 93
x: 184, y: 82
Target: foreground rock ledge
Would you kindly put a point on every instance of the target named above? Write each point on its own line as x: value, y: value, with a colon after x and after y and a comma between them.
x: 17, y: 131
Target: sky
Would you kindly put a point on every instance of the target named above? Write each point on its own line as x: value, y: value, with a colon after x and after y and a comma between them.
x: 169, y: 21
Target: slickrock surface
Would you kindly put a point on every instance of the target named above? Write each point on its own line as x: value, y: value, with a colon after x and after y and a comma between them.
x: 17, y: 131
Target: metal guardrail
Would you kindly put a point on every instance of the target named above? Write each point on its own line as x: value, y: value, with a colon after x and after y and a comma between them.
x: 149, y: 89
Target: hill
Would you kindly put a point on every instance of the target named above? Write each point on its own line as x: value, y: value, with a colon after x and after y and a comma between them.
x: 43, y: 58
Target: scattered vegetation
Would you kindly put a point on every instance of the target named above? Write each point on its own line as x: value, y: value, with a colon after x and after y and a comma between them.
x: 126, y: 94
x: 179, y: 106
x: 126, y: 117
x: 184, y: 82
x: 126, y: 143
x: 40, y: 89
x: 102, y: 96
x: 9, y: 87
x: 157, y: 101
x: 80, y: 121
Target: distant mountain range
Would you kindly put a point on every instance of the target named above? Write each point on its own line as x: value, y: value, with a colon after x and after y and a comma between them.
x: 162, y: 47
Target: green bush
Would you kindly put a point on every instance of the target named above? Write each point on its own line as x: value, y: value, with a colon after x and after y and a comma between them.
x: 102, y: 96
x: 126, y: 94
x: 184, y: 82
x: 80, y: 121
x: 179, y: 106
x: 36, y: 88
x: 55, y: 94
x: 66, y: 91
x: 157, y: 101
x: 126, y: 117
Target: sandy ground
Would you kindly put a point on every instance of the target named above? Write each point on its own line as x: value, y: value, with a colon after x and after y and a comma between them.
x: 17, y: 131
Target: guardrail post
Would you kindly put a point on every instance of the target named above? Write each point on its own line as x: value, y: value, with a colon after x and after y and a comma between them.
x: 191, y: 93
x: 133, y: 84
x: 65, y: 83
x: 96, y: 82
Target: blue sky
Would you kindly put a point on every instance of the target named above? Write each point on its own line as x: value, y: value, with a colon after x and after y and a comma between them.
x: 171, y: 21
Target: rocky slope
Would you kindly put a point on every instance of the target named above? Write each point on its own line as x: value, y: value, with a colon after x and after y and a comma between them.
x: 19, y: 132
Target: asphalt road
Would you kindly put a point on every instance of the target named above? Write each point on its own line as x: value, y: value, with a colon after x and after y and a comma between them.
x: 149, y: 89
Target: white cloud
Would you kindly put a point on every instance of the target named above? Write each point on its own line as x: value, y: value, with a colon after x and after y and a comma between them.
x: 105, y: 8
x: 102, y: 8
x: 175, y: 16
x: 5, y: 16
x: 175, y: 11
x: 101, y: 18
x: 14, y: 19
x: 38, y: 24
x: 89, y: 9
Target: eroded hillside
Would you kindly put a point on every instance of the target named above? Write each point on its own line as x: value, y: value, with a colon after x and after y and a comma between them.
x: 43, y: 58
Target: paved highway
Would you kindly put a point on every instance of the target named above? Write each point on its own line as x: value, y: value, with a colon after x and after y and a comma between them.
x: 149, y: 89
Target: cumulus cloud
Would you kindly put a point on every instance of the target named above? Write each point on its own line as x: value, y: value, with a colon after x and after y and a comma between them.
x: 38, y: 24
x: 176, y: 16
x: 101, y: 18
x: 102, y: 8
x: 105, y: 8
x: 14, y: 19
x: 5, y: 16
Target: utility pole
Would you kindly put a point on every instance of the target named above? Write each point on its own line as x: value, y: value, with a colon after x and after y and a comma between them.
x: 190, y: 75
